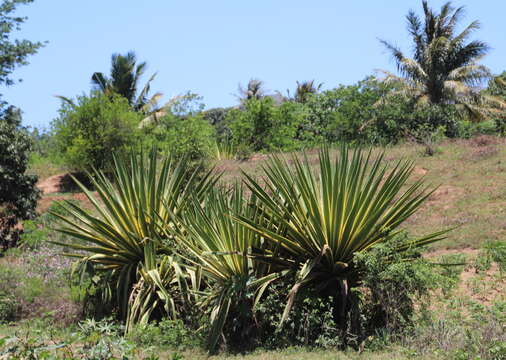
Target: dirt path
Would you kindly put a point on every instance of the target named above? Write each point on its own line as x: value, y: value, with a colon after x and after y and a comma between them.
x: 56, y: 188
x: 52, y: 184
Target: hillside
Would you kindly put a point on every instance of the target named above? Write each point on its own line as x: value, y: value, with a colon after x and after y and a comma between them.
x: 470, y: 176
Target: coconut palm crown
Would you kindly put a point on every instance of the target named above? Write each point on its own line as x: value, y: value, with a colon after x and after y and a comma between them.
x: 305, y: 89
x: 445, y: 65
x: 125, y: 80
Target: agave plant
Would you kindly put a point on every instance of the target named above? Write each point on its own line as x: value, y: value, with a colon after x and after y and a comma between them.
x: 321, y: 217
x: 225, y: 150
x: 163, y: 280
x: 222, y: 248
x: 130, y: 210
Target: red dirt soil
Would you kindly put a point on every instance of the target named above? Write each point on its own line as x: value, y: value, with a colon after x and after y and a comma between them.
x: 52, y: 184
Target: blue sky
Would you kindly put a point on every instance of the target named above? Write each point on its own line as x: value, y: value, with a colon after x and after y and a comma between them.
x: 209, y: 47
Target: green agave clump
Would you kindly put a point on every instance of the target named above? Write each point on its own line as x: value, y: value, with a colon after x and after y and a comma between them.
x: 324, y: 215
x: 123, y: 235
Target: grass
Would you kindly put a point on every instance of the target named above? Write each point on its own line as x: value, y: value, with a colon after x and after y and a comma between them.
x: 44, y: 167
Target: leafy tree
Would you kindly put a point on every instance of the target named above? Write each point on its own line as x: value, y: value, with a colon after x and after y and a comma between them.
x: 287, y: 120
x: 181, y: 128
x: 344, y: 113
x: 13, y: 53
x: 445, y: 67
x: 125, y: 80
x: 354, y: 110
x: 89, y: 132
x: 216, y: 117
x: 251, y: 125
x: 18, y: 193
x: 190, y: 136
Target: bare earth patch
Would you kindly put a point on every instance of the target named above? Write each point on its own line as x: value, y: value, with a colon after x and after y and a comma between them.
x: 52, y: 184
x: 484, y: 287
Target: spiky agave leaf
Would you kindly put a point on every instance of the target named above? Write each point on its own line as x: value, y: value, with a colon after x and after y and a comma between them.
x: 222, y: 248
x: 143, y: 196
x: 163, y: 281
x: 322, y: 217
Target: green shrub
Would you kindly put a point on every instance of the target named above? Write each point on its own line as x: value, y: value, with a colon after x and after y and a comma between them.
x: 34, y: 234
x: 454, y: 335
x: 90, y: 131
x: 262, y: 125
x: 391, y: 286
x: 18, y: 193
x: 492, y: 251
x: 467, y: 129
x: 450, y: 267
x: 287, y: 132
x: 311, y: 323
x: 252, y: 124
x: 190, y: 136
x: 217, y: 118
x: 8, y: 308
x: 400, y: 118
x: 171, y: 334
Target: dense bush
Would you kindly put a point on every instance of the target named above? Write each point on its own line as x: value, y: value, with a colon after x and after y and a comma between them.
x: 262, y: 125
x: 18, y: 193
x: 251, y: 126
x: 190, y: 136
x: 391, y: 286
x: 88, y: 132
x: 346, y: 112
x: 368, y: 112
x: 311, y: 323
x: 216, y: 117
x: 9, y: 308
x: 399, y: 119
x: 172, y: 334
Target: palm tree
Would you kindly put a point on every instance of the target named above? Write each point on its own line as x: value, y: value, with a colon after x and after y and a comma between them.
x: 254, y: 90
x: 445, y: 67
x: 305, y: 89
x: 125, y: 80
